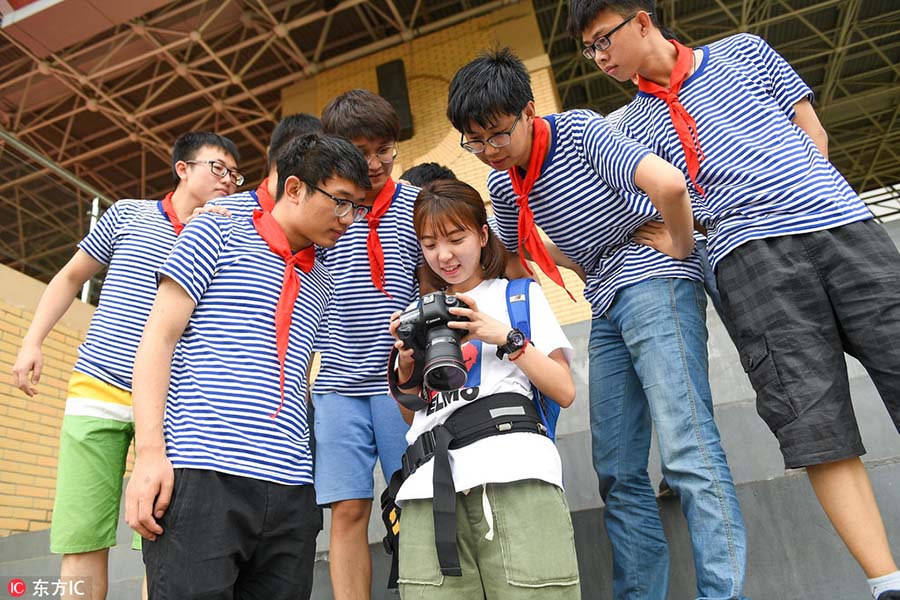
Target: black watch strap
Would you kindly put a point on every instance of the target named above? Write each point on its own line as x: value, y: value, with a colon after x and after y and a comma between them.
x: 515, y: 341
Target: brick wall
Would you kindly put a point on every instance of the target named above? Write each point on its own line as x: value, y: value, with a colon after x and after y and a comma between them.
x: 29, y: 427
x: 430, y: 62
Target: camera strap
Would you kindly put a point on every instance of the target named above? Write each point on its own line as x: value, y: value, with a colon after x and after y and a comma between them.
x: 410, y: 401
x: 497, y: 414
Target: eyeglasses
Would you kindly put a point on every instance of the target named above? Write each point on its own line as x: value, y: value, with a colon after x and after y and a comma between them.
x: 498, y: 140
x: 344, y: 207
x: 603, y: 42
x: 385, y: 156
x: 220, y: 170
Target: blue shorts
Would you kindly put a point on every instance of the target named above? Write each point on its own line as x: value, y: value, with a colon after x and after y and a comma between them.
x: 351, y: 432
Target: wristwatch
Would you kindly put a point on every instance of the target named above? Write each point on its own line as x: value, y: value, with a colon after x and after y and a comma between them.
x: 515, y: 341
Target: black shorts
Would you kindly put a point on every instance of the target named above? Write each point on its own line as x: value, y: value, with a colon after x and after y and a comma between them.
x: 234, y: 537
x: 798, y: 303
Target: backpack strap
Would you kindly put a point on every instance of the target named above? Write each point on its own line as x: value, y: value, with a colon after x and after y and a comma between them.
x: 519, y: 307
x: 518, y: 304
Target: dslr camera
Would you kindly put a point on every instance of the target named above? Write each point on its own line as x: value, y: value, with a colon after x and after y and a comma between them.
x: 424, y: 329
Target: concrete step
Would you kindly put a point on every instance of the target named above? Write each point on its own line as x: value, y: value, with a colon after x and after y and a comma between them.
x: 126, y: 572
x: 27, y: 557
x: 793, y: 551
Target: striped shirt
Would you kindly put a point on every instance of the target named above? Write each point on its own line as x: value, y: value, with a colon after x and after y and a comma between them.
x: 241, y: 205
x: 587, y: 203
x: 225, y: 371
x: 613, y: 119
x: 132, y: 238
x: 762, y: 175
x: 354, y: 340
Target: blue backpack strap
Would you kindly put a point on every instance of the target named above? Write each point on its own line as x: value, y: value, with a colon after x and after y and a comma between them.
x: 519, y: 307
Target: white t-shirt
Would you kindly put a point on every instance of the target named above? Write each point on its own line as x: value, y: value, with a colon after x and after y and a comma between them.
x: 499, y: 458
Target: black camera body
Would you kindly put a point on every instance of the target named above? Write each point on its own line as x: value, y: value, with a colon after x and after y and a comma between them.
x: 424, y: 329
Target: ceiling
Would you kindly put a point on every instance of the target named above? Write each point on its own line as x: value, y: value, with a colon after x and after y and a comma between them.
x: 104, y: 110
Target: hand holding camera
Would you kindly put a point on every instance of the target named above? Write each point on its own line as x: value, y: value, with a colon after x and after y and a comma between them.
x: 432, y: 334
x: 405, y: 361
x: 479, y: 325
x: 435, y: 346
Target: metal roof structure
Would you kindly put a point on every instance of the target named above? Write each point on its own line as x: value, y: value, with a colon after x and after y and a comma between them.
x: 93, y: 95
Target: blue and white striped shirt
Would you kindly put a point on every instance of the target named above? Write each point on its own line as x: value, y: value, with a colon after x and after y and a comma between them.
x: 762, y: 175
x: 613, y: 119
x: 587, y: 203
x: 241, y: 205
x: 225, y: 370
x: 354, y: 340
x: 133, y: 238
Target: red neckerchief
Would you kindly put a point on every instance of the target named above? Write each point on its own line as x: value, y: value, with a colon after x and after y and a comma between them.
x: 270, y: 231
x: 170, y: 213
x: 529, y: 238
x: 373, y: 242
x: 684, y: 123
x: 264, y: 197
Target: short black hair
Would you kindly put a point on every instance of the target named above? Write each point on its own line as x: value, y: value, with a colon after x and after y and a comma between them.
x: 316, y: 157
x: 188, y: 145
x: 583, y: 12
x: 496, y: 83
x: 361, y: 114
x: 424, y: 173
x: 287, y: 129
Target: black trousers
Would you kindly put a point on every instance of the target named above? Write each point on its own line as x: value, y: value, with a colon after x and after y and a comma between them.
x: 231, y: 537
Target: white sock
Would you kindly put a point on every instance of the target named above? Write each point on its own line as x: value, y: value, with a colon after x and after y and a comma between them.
x: 885, y: 583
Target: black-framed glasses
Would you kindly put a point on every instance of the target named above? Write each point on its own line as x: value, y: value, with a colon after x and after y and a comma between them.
x: 498, y: 140
x: 344, y: 207
x: 220, y: 170
x: 603, y: 42
x: 385, y: 156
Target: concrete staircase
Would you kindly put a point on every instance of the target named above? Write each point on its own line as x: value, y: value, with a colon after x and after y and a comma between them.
x: 793, y: 550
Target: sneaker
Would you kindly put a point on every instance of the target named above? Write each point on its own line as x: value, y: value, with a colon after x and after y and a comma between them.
x: 889, y: 595
x: 666, y: 492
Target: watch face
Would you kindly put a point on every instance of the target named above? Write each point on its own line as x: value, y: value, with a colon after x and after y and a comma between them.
x: 516, y: 338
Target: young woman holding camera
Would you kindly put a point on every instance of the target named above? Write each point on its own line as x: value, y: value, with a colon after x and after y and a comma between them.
x: 488, y: 517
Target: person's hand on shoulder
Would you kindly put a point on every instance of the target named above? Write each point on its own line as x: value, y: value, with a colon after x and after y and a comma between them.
x: 208, y: 208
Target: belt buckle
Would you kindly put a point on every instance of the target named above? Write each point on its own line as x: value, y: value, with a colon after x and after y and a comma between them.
x: 405, y: 466
x: 428, y: 442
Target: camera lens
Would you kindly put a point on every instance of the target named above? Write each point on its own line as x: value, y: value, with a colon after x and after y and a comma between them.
x: 444, y: 369
x: 446, y: 376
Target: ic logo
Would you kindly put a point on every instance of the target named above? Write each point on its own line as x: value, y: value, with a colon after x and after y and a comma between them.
x: 16, y: 588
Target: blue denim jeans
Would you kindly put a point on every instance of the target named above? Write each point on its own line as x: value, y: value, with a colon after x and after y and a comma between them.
x: 648, y: 366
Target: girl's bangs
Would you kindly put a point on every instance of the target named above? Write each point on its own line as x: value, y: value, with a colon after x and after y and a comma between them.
x: 438, y: 217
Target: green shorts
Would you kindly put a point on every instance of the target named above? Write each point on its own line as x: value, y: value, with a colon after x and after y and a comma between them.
x: 96, y: 433
x: 515, y: 541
